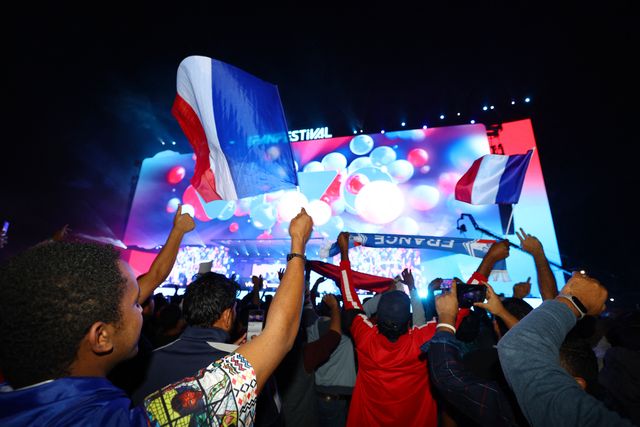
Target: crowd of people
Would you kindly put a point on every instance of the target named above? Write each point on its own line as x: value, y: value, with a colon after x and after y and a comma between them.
x: 84, y: 342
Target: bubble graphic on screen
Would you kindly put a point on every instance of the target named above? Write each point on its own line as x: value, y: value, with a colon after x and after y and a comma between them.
x: 175, y: 174
x: 359, y: 163
x: 319, y: 211
x: 290, y: 204
x: 355, y: 182
x: 424, y: 197
x: 263, y: 217
x: 233, y: 227
x: 313, y: 166
x: 334, y: 162
x: 447, y: 181
x: 382, y: 156
x: 361, y: 144
x: 400, y: 170
x: 418, y: 157
x: 380, y: 202
x: 172, y: 205
x: 227, y: 211
x: 404, y: 225
x: 332, y: 228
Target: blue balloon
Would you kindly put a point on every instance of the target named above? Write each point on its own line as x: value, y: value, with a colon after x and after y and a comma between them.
x: 382, y: 155
x: 263, y: 217
x: 361, y: 144
x: 213, y: 209
x: 228, y: 211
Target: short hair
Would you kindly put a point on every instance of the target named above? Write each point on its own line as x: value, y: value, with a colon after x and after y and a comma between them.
x: 207, y: 297
x: 517, y: 307
x: 577, y: 358
x: 50, y: 295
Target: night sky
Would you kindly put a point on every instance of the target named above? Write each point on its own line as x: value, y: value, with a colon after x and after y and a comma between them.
x: 90, y: 93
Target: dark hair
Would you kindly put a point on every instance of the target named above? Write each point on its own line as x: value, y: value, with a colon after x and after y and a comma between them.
x: 392, y: 330
x: 577, y: 358
x: 169, y: 316
x: 50, y: 295
x: 207, y: 297
x: 518, y: 309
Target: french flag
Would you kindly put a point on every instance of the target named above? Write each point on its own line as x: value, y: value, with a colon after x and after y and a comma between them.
x: 494, y: 179
x: 236, y: 126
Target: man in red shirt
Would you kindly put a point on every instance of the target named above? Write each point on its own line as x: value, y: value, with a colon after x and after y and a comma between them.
x: 392, y: 386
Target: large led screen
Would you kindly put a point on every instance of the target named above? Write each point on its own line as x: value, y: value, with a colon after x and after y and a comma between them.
x: 395, y: 182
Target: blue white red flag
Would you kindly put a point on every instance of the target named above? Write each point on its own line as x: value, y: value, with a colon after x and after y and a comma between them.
x: 236, y: 126
x: 494, y: 179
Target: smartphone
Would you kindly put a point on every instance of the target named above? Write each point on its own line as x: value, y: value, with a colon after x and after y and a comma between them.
x: 468, y: 294
x: 256, y: 322
x: 5, y: 228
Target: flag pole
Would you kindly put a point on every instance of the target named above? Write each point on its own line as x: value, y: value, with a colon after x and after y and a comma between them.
x: 495, y: 236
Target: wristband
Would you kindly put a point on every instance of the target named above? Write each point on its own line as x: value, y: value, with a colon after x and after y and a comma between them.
x: 448, y: 326
x: 576, y: 303
x: 293, y: 255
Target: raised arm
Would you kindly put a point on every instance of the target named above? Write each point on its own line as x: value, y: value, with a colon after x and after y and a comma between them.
x: 481, y: 400
x: 266, y: 351
x: 546, y: 280
x: 529, y: 356
x: 162, y: 265
x: 498, y: 251
x: 317, y: 352
x: 349, y: 295
x: 417, y: 309
x: 495, y: 307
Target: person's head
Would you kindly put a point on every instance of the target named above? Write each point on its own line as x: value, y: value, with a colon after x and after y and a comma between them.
x: 393, y: 314
x: 66, y: 309
x: 210, y: 301
x: 579, y: 360
x: 169, y: 317
x: 517, y: 307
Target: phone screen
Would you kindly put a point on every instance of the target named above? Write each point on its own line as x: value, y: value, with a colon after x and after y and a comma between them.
x: 256, y: 322
x: 5, y: 227
x: 468, y: 294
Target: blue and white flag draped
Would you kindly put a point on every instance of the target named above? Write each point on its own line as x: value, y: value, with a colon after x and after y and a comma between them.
x: 473, y: 247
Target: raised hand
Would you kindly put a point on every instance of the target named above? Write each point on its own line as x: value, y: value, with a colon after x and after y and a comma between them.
x: 183, y: 222
x: 493, y: 304
x: 499, y: 250
x: 447, y: 305
x: 408, y: 279
x: 258, y: 282
x: 300, y: 229
x: 331, y: 301
x: 280, y: 274
x: 343, y: 240
x: 589, y: 291
x: 529, y: 243
x: 522, y: 289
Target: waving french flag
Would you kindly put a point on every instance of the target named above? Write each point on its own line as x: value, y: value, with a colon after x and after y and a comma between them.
x: 236, y: 126
x: 494, y: 178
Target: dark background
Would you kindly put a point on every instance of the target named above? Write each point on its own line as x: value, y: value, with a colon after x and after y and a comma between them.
x: 88, y: 95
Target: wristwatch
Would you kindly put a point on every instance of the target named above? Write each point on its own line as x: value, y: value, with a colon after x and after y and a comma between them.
x: 576, y: 303
x: 293, y: 255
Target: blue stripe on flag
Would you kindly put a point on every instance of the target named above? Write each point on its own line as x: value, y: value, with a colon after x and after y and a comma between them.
x: 512, y: 178
x: 252, y: 131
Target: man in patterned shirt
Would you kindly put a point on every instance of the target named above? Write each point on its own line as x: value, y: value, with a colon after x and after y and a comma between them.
x: 65, y: 324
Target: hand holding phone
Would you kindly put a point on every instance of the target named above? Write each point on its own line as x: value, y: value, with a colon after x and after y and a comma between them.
x: 256, y: 322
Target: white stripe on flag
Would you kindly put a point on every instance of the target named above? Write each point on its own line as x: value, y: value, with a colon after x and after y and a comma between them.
x: 347, y: 288
x: 487, y: 182
x: 194, y: 83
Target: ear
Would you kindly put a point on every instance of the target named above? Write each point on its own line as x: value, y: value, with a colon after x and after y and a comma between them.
x: 227, y: 317
x: 100, y: 337
x: 581, y: 382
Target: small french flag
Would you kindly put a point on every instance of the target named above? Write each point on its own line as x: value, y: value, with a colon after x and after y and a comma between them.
x: 235, y: 123
x: 494, y: 179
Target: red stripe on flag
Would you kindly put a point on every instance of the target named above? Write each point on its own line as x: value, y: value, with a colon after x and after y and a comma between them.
x: 203, y: 179
x: 465, y: 184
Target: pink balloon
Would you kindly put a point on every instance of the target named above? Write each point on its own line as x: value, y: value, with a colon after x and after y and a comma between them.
x: 190, y: 197
x: 233, y: 227
x: 447, y: 181
x: 418, y: 157
x: 355, y: 183
x: 175, y: 174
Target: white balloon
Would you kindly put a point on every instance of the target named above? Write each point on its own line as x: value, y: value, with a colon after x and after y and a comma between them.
x: 319, y: 211
x: 334, y: 162
x: 313, y: 167
x: 380, y: 202
x: 290, y: 204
